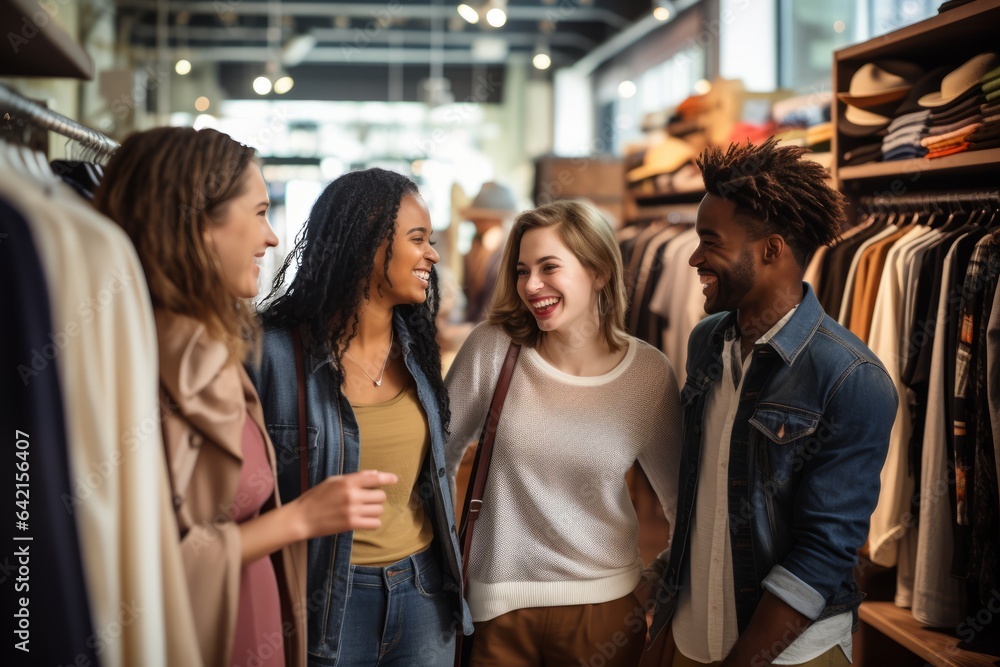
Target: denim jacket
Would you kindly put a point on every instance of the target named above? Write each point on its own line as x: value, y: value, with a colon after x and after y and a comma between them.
x: 334, y: 449
x: 810, y: 437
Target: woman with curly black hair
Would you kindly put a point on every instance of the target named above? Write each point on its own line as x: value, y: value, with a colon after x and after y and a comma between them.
x: 350, y: 343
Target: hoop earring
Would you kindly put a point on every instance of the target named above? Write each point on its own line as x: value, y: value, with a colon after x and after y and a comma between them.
x: 600, y: 305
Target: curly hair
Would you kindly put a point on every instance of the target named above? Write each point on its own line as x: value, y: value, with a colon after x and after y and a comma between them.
x: 776, y: 192
x: 333, y: 262
x: 165, y: 187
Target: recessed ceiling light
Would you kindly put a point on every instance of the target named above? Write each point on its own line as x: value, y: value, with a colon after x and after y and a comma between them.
x: 468, y: 13
x: 496, y: 17
x: 262, y: 85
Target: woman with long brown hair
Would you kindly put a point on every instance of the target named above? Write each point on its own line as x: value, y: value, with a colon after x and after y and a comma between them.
x: 195, y: 205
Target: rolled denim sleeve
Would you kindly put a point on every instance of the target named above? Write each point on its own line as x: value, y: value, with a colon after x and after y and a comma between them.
x: 839, y: 488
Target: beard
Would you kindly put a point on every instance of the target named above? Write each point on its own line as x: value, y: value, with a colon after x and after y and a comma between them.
x: 733, y: 285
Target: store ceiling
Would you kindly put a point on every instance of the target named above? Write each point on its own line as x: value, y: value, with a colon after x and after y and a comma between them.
x: 370, y: 49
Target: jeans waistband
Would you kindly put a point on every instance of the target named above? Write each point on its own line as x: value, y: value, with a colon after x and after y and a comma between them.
x: 395, y: 573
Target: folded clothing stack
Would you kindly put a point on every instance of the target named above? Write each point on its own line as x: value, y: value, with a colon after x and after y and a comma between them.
x: 909, y: 127
x: 988, y: 134
x: 957, y: 108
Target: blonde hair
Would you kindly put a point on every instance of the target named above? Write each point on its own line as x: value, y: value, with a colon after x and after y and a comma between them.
x: 589, y: 236
x: 164, y: 187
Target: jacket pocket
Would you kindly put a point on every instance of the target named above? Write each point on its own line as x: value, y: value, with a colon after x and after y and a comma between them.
x: 784, y: 425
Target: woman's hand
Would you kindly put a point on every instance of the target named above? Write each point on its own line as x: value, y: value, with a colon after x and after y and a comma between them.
x: 335, y: 505
x: 343, y: 502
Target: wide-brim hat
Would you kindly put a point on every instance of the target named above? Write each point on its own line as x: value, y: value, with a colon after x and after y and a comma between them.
x: 960, y: 80
x: 862, y: 122
x: 880, y: 82
x: 665, y: 157
x: 494, y: 201
x: 928, y: 83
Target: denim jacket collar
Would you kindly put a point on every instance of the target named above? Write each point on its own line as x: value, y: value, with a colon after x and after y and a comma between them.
x: 793, y: 337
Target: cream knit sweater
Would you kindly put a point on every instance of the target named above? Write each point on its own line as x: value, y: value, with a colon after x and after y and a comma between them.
x: 557, y: 525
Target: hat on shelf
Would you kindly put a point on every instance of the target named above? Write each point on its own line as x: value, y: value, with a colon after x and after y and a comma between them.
x: 927, y: 84
x: 960, y: 80
x: 862, y: 123
x: 880, y: 82
x: 663, y: 158
x: 494, y: 202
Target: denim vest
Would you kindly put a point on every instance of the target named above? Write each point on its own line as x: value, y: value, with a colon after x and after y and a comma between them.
x: 810, y: 437
x: 334, y: 449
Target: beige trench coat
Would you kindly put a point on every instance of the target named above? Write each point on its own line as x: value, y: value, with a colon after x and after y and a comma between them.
x: 204, y: 400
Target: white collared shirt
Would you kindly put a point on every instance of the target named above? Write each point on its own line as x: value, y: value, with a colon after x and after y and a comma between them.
x: 705, y: 626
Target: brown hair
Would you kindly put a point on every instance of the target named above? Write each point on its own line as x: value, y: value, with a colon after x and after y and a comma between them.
x: 164, y: 187
x: 589, y: 236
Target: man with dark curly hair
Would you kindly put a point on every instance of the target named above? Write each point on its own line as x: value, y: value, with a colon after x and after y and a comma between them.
x: 787, y: 420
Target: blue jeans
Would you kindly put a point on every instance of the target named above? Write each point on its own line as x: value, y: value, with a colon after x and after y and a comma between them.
x: 399, y: 615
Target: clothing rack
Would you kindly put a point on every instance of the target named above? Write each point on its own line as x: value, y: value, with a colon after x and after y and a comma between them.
x: 20, y: 108
x: 922, y: 201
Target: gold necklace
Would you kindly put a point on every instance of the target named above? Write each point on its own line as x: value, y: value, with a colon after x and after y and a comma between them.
x: 378, y: 382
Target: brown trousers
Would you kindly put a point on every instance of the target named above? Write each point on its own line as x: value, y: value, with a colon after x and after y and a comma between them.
x: 833, y: 658
x: 609, y: 634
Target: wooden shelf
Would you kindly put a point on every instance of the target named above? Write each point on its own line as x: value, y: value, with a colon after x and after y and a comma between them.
x: 969, y: 160
x: 937, y: 648
x: 35, y: 45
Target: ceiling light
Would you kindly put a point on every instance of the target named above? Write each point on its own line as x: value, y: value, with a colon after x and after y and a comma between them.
x: 702, y: 87
x: 542, y: 59
x: 663, y: 10
x: 496, y: 17
x: 468, y: 13
x: 183, y: 67
x: 297, y: 48
x: 202, y: 103
x: 284, y: 84
x: 626, y: 89
x: 262, y: 85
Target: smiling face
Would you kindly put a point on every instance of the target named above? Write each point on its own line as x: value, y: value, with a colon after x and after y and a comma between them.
x: 242, y: 234
x: 413, y: 255
x: 558, y: 290
x: 725, y: 256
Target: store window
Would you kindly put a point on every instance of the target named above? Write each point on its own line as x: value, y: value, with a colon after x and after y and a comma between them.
x: 889, y: 15
x: 809, y: 33
x: 661, y: 87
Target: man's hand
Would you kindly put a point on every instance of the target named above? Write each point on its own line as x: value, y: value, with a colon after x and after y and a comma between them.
x: 772, y: 629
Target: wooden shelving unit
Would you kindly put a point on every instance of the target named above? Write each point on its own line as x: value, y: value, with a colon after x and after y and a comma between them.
x: 937, y: 648
x: 890, y: 634
x: 968, y: 161
x: 948, y: 38
x: 35, y: 45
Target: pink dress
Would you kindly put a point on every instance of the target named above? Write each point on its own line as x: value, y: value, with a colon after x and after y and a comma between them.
x: 258, y: 641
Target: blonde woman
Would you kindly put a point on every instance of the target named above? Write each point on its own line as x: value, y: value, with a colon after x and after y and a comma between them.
x: 554, y: 558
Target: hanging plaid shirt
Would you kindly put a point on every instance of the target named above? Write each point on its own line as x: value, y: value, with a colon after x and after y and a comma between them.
x: 979, y: 273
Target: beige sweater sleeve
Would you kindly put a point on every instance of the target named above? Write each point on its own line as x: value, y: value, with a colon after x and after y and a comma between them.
x: 471, y: 382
